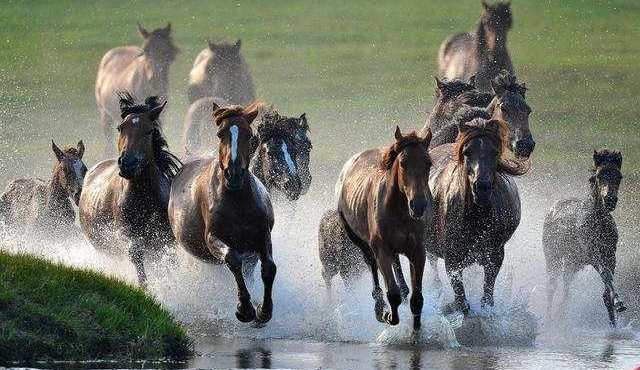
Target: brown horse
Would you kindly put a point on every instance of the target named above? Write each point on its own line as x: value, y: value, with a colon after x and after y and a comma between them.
x: 220, y: 212
x: 36, y: 205
x: 128, y: 196
x: 221, y: 70
x: 481, y: 53
x: 199, y: 139
x: 477, y: 204
x: 385, y: 204
x: 582, y: 232
x: 141, y: 70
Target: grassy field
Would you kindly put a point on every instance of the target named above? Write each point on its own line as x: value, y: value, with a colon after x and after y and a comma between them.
x: 357, y: 68
x: 51, y: 312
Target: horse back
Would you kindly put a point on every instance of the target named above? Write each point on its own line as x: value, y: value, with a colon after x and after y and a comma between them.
x: 456, y: 56
x: 110, y: 77
x: 21, y: 200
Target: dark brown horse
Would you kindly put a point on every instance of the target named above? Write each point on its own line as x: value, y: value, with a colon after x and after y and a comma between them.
x: 477, y: 205
x: 582, y: 232
x: 507, y: 103
x: 385, y: 205
x: 199, y: 139
x: 281, y: 160
x: 128, y: 196
x: 219, y: 211
x: 481, y: 53
x: 36, y: 205
x: 221, y: 70
x: 141, y: 70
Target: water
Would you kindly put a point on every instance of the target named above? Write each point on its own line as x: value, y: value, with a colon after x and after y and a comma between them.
x: 314, y: 329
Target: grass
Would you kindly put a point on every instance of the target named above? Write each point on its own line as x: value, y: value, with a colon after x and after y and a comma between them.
x: 357, y: 68
x: 52, y: 312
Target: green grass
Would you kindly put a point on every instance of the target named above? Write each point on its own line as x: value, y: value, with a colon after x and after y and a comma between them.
x: 357, y: 68
x: 52, y: 312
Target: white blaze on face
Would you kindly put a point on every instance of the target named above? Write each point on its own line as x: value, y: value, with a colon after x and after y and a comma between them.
x: 78, y: 165
x: 287, y: 158
x: 234, y: 142
x: 135, y: 120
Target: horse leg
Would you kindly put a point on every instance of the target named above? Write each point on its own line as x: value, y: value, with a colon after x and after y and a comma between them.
x: 265, y: 309
x: 244, y: 309
x: 610, y: 296
x: 552, y: 285
x: 417, y: 301
x: 454, y: 270
x: 402, y: 283
x: 385, y: 260
x: 567, y: 278
x: 491, y: 270
x: 136, y: 253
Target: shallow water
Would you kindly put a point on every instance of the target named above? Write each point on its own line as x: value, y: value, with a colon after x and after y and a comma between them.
x: 313, y: 329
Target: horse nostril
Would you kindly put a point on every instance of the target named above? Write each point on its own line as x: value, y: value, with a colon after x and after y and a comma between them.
x: 525, y: 146
x: 482, y: 186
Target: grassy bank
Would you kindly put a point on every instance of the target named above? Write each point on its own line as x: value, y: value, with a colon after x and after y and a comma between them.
x: 52, y: 312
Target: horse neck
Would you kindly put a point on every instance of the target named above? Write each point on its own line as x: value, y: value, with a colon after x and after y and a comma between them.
x: 156, y: 71
x: 147, y: 181
x: 394, y: 197
x: 257, y: 165
x: 596, y: 209
x: 56, y: 195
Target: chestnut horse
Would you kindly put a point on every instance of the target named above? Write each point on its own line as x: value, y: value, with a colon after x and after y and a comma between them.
x: 141, y: 70
x: 220, y: 212
x: 221, y: 70
x: 128, y: 196
x: 33, y: 204
x: 477, y: 205
x: 385, y: 205
x: 582, y: 232
x: 481, y: 53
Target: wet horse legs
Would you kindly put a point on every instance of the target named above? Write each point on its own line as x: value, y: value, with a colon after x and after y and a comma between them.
x: 417, y: 301
x: 385, y: 261
x: 610, y: 296
x: 265, y: 309
x: 491, y: 270
x: 402, y: 283
x: 244, y: 309
x: 454, y: 270
x: 136, y: 253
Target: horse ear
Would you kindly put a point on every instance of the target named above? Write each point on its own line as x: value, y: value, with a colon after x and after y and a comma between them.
x: 212, y: 45
x: 485, y: 5
x: 509, y: 4
x: 168, y: 27
x: 238, y: 44
x: 144, y: 33
x: 214, y: 107
x: 439, y: 84
x: 80, y: 149
x: 250, y: 116
x: 427, y: 138
x: 472, y: 80
x: 597, y: 158
x: 58, y: 153
x: 398, y: 133
x: 497, y: 88
x: 155, y: 112
x: 617, y: 158
x: 303, y: 120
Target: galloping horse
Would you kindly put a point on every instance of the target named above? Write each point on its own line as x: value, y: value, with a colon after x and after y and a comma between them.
x: 220, y: 212
x: 128, y: 196
x: 281, y: 160
x: 221, y: 70
x: 477, y: 205
x: 198, y: 136
x: 481, y: 53
x: 34, y: 205
x: 581, y: 232
x: 385, y: 204
x: 143, y: 71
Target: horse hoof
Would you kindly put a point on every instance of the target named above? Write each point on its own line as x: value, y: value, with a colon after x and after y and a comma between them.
x: 263, y: 315
x: 390, y: 319
x: 245, y: 314
x: 455, y: 306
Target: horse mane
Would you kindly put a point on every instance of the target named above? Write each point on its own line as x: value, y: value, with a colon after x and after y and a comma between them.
x: 392, y: 152
x: 166, y: 161
x: 221, y: 114
x: 451, y: 88
x: 497, y: 131
x: 508, y: 81
x: 274, y: 125
x: 68, y: 149
x: 606, y: 157
x: 477, y: 98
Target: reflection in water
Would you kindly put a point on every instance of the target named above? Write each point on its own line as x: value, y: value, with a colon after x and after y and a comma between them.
x: 255, y: 357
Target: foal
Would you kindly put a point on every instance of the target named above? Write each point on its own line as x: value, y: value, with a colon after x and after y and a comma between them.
x: 128, y: 196
x: 581, y: 232
x: 31, y: 204
x: 220, y: 212
x: 385, y: 205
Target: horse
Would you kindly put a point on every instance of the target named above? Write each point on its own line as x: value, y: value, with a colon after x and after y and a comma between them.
x: 281, y: 160
x: 582, y: 232
x: 35, y: 205
x: 507, y: 103
x: 220, y: 212
x: 481, y: 53
x: 141, y: 70
x: 128, y: 196
x: 477, y: 205
x: 385, y: 205
x: 221, y: 70
x: 197, y: 138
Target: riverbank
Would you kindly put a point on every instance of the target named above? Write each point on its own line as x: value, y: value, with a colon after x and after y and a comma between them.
x: 53, y: 312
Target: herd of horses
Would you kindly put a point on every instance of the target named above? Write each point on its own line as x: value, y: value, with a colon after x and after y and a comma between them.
x: 446, y: 191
